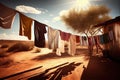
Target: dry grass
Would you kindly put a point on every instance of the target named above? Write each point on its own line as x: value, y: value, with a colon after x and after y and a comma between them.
x: 8, y: 46
x: 36, y: 50
x: 20, y: 47
x: 5, y: 62
x: 4, y: 46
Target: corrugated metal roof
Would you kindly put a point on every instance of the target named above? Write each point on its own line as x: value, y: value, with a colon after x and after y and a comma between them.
x: 112, y: 21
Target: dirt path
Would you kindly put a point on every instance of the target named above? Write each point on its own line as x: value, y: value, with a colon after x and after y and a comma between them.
x: 17, y: 65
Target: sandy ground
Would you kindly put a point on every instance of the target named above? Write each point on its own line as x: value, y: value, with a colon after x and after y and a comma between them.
x: 18, y: 62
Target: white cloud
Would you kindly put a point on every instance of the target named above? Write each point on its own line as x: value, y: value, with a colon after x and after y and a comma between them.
x: 46, y: 21
x: 43, y: 10
x: 56, y: 19
x: 28, y: 9
x: 5, y: 36
x: 51, y: 15
x: 63, y: 12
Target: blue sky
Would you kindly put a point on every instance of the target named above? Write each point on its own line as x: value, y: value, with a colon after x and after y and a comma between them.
x: 47, y: 11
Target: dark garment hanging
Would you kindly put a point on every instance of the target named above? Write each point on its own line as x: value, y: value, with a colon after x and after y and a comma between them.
x: 84, y: 41
x: 96, y: 40
x: 65, y: 36
x: 101, y: 39
x: 85, y: 38
x: 89, y: 41
x: 104, y: 39
x: 6, y: 16
x: 39, y: 31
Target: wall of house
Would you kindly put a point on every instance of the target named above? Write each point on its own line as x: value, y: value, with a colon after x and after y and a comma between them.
x: 106, y: 29
x: 115, y: 48
x: 114, y: 45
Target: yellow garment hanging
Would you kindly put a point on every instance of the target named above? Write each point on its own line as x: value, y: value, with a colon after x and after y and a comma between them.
x: 25, y: 26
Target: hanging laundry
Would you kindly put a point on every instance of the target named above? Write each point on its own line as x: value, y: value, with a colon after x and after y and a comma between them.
x: 39, y: 31
x: 90, y: 44
x: 77, y: 39
x: 63, y: 40
x: 111, y: 35
x: 96, y: 38
x: 104, y: 39
x: 53, y: 36
x: 25, y: 25
x: 6, y: 16
x: 81, y: 41
x: 93, y: 40
x: 84, y: 41
x: 101, y: 39
x: 65, y: 36
x: 72, y: 45
x: 61, y: 45
x: 90, y: 41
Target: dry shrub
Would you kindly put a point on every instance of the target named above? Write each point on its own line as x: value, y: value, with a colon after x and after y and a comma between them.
x: 2, y: 53
x: 4, y: 46
x: 5, y: 62
x: 20, y: 47
x: 37, y: 50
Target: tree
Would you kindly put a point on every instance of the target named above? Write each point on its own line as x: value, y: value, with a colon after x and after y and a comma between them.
x: 83, y: 21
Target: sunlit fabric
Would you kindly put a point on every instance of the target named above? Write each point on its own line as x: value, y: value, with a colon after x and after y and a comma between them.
x: 53, y: 36
x: 6, y: 16
x: 72, y: 45
x: 25, y: 26
x: 61, y: 44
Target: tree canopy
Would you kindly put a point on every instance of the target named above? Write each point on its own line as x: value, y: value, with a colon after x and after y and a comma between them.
x: 83, y: 20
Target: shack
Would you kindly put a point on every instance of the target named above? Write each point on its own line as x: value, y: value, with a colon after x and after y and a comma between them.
x: 112, y: 28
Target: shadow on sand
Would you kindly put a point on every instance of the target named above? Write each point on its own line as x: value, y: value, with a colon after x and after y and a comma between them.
x: 20, y: 73
x: 51, y: 56
x: 56, y: 74
x: 79, y: 52
x: 100, y: 68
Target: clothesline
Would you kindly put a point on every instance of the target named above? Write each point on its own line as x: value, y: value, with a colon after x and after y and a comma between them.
x: 7, y: 9
x: 6, y: 21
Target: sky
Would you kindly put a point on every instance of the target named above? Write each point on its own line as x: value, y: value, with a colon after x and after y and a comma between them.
x: 48, y: 12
